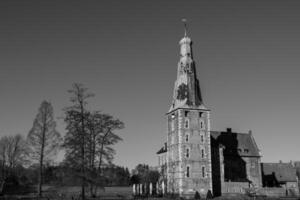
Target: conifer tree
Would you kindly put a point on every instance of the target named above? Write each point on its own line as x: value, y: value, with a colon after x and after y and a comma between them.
x: 43, y: 139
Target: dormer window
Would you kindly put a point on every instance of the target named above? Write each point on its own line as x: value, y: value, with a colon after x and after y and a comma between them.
x: 246, y: 150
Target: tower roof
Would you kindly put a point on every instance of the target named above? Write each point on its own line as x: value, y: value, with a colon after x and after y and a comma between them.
x: 187, y: 92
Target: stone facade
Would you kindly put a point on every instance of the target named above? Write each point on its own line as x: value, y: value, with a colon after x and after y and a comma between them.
x: 188, y: 142
x: 192, y: 162
x: 198, y: 159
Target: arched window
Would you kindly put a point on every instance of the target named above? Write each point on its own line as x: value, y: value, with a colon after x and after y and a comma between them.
x: 202, y: 138
x: 188, y: 171
x: 186, y: 123
x: 203, y: 172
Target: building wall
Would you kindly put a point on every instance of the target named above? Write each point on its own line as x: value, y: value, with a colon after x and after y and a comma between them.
x: 180, y: 181
x: 234, y: 187
x: 250, y: 165
x: 253, y: 168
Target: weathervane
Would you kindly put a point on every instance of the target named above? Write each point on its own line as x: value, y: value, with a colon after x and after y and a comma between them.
x: 185, y: 26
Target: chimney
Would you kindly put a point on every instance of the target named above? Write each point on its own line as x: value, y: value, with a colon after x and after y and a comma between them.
x: 228, y: 130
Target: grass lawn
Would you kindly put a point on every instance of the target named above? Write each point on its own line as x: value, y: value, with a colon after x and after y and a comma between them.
x: 68, y: 192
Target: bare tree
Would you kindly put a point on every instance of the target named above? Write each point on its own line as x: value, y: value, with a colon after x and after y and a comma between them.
x: 75, y: 138
x: 3, y: 155
x: 101, y: 138
x: 16, y: 150
x: 43, y: 139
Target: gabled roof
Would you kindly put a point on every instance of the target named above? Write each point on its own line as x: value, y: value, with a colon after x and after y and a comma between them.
x: 283, y: 172
x: 241, y: 144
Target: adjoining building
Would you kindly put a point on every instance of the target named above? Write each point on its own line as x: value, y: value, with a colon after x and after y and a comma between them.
x: 197, y: 159
x: 280, y: 175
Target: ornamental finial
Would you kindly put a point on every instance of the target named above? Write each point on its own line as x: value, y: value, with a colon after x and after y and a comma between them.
x: 185, y: 26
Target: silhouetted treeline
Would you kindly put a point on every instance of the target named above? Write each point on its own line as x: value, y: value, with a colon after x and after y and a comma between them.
x: 62, y: 175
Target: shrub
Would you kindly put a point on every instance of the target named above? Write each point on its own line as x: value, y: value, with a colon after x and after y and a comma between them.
x: 197, y: 195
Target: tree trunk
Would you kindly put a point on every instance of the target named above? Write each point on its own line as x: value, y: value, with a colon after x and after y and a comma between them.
x: 82, y: 152
x: 42, y: 156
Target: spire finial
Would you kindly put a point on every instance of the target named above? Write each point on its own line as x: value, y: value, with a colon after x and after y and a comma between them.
x: 185, y: 26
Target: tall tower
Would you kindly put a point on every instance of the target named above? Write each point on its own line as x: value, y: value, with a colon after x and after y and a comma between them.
x: 188, y: 143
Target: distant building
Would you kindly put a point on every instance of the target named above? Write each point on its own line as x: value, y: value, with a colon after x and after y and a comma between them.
x: 280, y: 175
x: 195, y: 158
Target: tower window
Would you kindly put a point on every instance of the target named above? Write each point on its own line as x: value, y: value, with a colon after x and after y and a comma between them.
x: 200, y: 114
x: 201, y: 124
x: 186, y: 123
x: 187, y: 153
x: 202, y: 138
x: 202, y: 153
x: 187, y: 137
x: 187, y: 171
x: 186, y: 113
x: 203, y: 172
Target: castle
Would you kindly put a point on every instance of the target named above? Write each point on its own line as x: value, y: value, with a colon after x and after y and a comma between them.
x: 195, y: 158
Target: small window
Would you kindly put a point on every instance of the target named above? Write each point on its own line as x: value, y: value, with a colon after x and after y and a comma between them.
x: 187, y: 153
x: 239, y: 150
x: 187, y: 171
x: 202, y: 138
x: 186, y: 113
x: 200, y: 114
x: 202, y: 153
x: 187, y: 138
x: 186, y: 123
x: 203, y: 172
x: 201, y: 124
x: 246, y: 150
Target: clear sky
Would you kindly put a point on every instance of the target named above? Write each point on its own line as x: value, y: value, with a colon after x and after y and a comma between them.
x: 126, y: 52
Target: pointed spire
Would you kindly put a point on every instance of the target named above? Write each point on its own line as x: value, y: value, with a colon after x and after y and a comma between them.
x: 185, y: 26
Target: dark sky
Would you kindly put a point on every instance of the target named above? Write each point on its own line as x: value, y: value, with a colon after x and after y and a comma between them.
x: 126, y: 52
